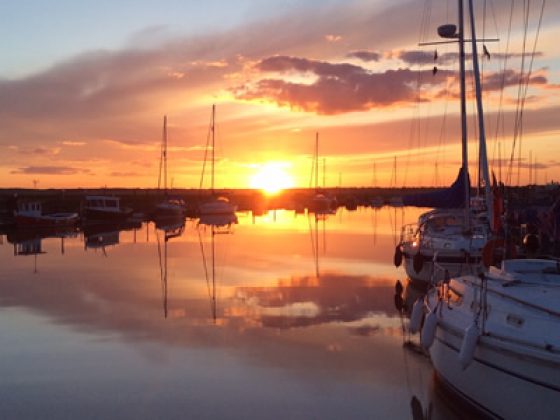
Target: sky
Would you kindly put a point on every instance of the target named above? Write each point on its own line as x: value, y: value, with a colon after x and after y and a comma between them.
x: 84, y: 87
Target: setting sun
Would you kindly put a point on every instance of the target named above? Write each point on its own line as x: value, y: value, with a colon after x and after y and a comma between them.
x: 272, y: 177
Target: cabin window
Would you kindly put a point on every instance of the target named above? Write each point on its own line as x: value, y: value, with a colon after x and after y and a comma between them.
x: 110, y: 203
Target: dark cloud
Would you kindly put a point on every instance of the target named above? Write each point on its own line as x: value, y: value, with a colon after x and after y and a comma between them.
x: 429, y: 57
x: 365, y: 55
x: 338, y: 88
x: 50, y: 170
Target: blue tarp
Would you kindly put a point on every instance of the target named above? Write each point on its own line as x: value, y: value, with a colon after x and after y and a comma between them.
x: 448, y: 198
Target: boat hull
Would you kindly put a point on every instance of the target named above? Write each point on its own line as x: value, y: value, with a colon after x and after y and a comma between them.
x: 57, y: 219
x: 500, y: 380
x: 456, y: 264
x: 107, y: 216
x: 217, y: 209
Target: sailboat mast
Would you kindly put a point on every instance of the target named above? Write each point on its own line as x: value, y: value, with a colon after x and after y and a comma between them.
x: 165, y: 153
x: 482, y: 133
x: 464, y: 137
x: 213, y: 147
x: 317, y: 161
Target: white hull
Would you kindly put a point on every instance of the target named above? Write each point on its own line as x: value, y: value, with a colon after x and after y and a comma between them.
x: 514, y: 370
x: 430, y: 274
x: 499, y: 380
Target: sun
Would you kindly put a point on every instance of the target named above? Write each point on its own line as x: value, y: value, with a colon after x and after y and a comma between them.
x: 272, y: 177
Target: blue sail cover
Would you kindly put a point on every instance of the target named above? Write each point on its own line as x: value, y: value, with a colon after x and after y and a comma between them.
x: 448, y: 198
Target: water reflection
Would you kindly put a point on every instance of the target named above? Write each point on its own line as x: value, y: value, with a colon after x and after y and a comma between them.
x: 301, y: 311
x: 29, y: 242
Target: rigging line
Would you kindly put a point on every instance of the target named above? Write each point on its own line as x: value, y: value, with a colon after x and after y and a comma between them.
x: 516, y: 131
x: 204, y: 265
x: 527, y: 79
x: 443, y: 129
x: 206, y: 152
x: 500, y: 123
x: 160, y: 261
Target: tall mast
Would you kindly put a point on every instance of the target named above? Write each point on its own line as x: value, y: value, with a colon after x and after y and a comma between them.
x: 316, y: 161
x: 464, y: 137
x: 213, y: 147
x: 165, y: 153
x: 482, y: 133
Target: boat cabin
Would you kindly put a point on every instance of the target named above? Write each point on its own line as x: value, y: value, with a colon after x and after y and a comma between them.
x: 102, y: 202
x: 29, y: 208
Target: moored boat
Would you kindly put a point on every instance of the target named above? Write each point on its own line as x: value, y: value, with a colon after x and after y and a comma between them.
x: 104, y: 208
x: 497, y: 338
x: 29, y: 213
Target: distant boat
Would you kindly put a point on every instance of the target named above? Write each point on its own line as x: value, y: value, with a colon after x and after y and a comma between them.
x: 29, y: 213
x: 320, y: 203
x: 104, y: 208
x: 216, y: 205
x: 172, y: 205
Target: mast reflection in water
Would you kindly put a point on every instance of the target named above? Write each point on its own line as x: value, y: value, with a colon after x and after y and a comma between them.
x: 297, y: 328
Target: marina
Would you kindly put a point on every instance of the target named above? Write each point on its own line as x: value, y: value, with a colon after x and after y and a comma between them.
x: 356, y: 212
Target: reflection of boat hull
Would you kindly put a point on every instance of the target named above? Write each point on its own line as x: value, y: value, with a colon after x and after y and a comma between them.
x: 41, y: 232
x: 218, y: 219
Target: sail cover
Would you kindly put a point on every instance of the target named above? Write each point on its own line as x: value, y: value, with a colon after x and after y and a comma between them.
x: 448, y: 198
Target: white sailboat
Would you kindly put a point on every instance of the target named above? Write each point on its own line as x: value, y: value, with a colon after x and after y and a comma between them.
x: 171, y: 206
x: 494, y: 336
x: 449, y: 240
x: 216, y: 205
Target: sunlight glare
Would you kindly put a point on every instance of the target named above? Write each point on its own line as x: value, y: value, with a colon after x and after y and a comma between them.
x: 272, y: 178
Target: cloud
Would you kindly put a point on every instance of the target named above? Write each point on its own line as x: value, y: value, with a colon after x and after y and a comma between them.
x: 365, y: 55
x: 333, y: 38
x: 424, y: 57
x: 50, y: 170
x: 74, y: 143
x: 44, y: 151
x: 125, y: 174
x: 337, y: 88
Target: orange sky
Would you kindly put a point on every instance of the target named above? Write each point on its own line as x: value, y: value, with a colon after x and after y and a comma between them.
x: 349, y: 72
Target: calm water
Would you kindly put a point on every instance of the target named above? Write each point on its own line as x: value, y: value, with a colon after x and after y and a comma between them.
x: 282, y: 316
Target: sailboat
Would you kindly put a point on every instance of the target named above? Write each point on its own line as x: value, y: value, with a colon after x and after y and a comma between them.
x: 217, y: 205
x: 449, y: 240
x: 494, y: 336
x: 171, y: 206
x: 320, y: 203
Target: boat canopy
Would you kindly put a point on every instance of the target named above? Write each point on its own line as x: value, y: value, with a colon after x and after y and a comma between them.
x: 449, y: 198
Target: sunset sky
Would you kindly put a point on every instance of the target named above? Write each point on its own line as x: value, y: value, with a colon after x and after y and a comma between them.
x: 84, y: 87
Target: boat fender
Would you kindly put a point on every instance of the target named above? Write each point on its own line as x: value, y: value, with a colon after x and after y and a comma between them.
x: 418, y: 262
x: 399, y: 287
x: 416, y: 316
x: 429, y: 330
x: 468, y: 346
x: 397, y: 259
